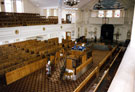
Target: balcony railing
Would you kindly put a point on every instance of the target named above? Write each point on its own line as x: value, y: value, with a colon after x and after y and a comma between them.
x: 106, y: 20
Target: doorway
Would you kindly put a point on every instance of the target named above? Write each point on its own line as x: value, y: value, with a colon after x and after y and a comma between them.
x: 68, y: 35
x: 68, y: 18
x: 107, y: 31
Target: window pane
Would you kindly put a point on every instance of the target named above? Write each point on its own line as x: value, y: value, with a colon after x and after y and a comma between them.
x: 109, y: 13
x: 117, y: 13
x: 48, y: 12
x: 100, y: 13
x: 8, y: 5
x: 0, y: 7
x: 19, y: 6
x: 55, y: 12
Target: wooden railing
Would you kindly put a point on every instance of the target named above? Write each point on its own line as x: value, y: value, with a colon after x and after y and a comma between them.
x: 94, y: 72
x: 106, y: 72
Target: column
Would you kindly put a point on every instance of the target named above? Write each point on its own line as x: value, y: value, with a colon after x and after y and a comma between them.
x: 132, y: 44
x: 2, y: 6
x: 45, y: 12
x: 14, y: 6
x: 52, y: 12
x: 60, y: 12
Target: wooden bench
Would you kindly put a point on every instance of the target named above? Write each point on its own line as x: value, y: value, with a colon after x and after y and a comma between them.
x: 25, y: 19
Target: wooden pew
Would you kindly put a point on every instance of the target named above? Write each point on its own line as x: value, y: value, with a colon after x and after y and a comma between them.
x: 24, y: 71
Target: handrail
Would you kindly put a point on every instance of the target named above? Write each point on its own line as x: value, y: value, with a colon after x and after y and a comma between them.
x: 125, y: 76
x: 106, y: 72
x: 93, y: 72
x: 86, y: 80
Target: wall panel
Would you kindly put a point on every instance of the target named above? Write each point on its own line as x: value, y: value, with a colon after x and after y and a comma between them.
x: 51, y: 31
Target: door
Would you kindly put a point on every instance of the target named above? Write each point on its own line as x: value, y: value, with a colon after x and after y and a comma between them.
x: 68, y: 18
x: 68, y: 35
x: 107, y: 32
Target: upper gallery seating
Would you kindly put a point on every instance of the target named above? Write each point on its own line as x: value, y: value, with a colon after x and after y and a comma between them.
x: 25, y: 19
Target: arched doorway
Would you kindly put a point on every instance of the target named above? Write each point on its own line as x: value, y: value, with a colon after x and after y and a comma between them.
x: 107, y: 31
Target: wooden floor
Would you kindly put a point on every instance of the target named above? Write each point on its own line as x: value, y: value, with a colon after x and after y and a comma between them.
x: 39, y: 82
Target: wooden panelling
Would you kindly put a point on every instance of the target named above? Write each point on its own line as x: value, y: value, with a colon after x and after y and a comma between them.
x: 86, y: 80
x: 84, y: 58
x: 57, y: 57
x: 68, y: 35
x: 108, y: 55
x: 84, y: 65
x: 69, y: 64
x: 23, y: 71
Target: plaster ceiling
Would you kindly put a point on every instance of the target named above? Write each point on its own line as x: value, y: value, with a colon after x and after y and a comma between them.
x: 45, y: 3
x: 83, y: 3
x: 55, y: 3
x: 109, y: 5
x: 128, y: 3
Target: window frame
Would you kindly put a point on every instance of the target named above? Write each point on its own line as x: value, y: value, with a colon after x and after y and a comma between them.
x: 22, y: 7
x: 47, y: 13
x: 0, y: 8
x: 115, y: 14
x: 6, y: 7
x: 102, y: 15
x: 108, y: 15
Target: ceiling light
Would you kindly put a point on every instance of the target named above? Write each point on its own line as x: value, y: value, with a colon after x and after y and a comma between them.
x: 71, y: 2
x: 98, y: 6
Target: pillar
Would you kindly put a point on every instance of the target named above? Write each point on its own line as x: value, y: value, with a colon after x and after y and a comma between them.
x: 60, y: 12
x: 132, y: 44
x: 2, y: 6
x: 14, y: 6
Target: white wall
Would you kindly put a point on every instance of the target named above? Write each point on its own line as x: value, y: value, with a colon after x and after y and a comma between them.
x: 27, y: 5
x: 27, y: 32
x: 124, y: 80
x: 87, y: 22
x: 30, y: 8
x: 125, y: 76
x: 67, y: 11
x: 91, y: 28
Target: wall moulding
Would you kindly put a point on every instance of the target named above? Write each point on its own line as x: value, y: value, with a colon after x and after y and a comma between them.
x: 24, y: 32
